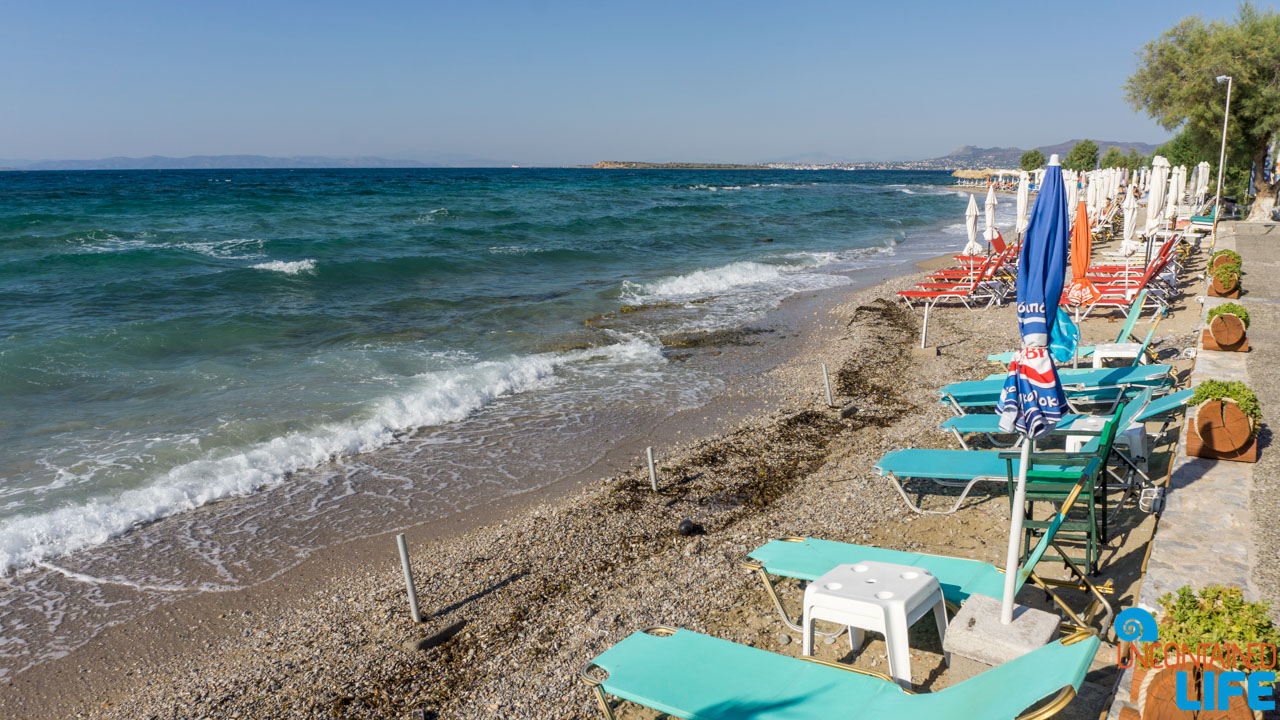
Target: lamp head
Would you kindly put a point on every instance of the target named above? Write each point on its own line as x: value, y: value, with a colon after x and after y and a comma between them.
x: 1223, y: 78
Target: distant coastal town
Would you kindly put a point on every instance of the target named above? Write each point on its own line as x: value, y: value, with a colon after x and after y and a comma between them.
x: 965, y: 157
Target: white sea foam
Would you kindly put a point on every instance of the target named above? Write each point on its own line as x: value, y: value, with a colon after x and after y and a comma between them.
x: 514, y: 250
x: 430, y: 217
x: 702, y: 282
x: 437, y: 398
x: 291, y: 267
x: 236, y: 249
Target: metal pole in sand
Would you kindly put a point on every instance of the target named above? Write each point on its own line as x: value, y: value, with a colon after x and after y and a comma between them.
x: 1014, y: 553
x: 653, y: 471
x: 408, y: 578
x: 826, y: 380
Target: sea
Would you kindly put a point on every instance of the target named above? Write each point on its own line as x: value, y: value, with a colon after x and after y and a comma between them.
x: 207, y: 376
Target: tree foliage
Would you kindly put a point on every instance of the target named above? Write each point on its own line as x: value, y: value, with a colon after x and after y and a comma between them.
x: 1135, y: 160
x: 1113, y: 158
x: 1084, y: 156
x: 1175, y: 84
x: 1031, y: 160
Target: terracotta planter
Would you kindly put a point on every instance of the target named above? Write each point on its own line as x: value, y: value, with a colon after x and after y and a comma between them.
x: 1221, y: 260
x: 1217, y: 289
x: 1221, y: 431
x: 1225, y: 333
x: 1153, y: 694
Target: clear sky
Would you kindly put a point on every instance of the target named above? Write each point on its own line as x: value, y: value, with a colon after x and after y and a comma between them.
x: 543, y: 82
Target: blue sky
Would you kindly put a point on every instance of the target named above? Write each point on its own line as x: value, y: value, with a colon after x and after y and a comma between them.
x: 570, y: 82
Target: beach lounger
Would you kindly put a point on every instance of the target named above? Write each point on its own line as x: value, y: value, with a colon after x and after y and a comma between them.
x: 988, y: 424
x: 1083, y: 386
x: 1131, y: 319
x: 1055, y: 472
x: 698, y: 677
x: 808, y: 559
x: 974, y: 288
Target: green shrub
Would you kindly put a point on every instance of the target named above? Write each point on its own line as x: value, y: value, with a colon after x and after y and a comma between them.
x: 1217, y: 615
x: 1233, y: 390
x: 1227, y: 275
x: 1230, y: 309
x: 1235, y: 257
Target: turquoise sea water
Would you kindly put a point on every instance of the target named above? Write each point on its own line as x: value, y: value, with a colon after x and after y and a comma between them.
x: 169, y: 339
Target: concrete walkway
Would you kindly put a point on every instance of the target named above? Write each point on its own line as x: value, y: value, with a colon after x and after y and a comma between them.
x: 1218, y: 525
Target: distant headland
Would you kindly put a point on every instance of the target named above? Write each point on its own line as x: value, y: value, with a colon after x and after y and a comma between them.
x: 620, y: 165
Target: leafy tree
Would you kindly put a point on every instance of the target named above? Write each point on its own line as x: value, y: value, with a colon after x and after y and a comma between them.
x: 1134, y: 161
x: 1113, y: 158
x: 1032, y: 160
x: 1183, y: 150
x: 1175, y: 84
x: 1084, y: 156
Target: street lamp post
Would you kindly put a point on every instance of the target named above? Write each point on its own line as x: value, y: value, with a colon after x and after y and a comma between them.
x: 1222, y: 158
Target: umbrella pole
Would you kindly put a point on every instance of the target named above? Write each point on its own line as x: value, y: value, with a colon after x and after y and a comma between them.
x: 1015, y: 535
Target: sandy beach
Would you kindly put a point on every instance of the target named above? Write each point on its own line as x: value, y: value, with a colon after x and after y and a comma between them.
x: 532, y: 588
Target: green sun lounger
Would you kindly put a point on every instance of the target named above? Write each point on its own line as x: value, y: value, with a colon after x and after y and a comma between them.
x: 989, y: 423
x: 1082, y: 386
x: 1149, y: 409
x: 1083, y: 351
x: 808, y: 559
x: 698, y: 677
x: 966, y: 468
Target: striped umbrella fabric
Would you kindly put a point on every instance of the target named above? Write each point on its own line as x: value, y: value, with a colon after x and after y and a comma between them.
x: 1032, y: 401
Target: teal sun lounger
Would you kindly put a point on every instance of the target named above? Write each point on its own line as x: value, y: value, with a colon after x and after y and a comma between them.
x: 808, y: 559
x: 1084, y: 351
x: 697, y: 677
x: 1083, y: 386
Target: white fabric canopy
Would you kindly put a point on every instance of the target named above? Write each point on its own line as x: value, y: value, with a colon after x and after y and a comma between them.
x: 1129, y: 244
x: 1024, y: 199
x: 1072, y: 183
x: 1155, y: 199
x: 971, y: 228
x: 991, y: 213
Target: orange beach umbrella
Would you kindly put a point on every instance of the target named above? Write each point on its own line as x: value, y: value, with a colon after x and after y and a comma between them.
x: 1081, y: 291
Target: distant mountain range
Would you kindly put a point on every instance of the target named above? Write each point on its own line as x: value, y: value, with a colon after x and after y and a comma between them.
x: 970, y: 156
x: 255, y: 162
x: 964, y: 157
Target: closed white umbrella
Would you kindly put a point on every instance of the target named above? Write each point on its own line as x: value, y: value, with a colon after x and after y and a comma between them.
x: 1181, y: 178
x: 1091, y: 196
x: 1155, y: 199
x: 1129, y: 244
x: 1171, y: 199
x: 971, y: 228
x: 991, y: 213
x: 1202, y: 181
x: 1024, y: 197
x: 1072, y: 181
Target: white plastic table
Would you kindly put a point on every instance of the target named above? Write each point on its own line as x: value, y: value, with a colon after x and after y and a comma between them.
x: 1134, y: 438
x: 1128, y: 351
x: 883, y: 597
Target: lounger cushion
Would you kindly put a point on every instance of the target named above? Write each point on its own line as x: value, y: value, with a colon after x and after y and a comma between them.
x: 1077, y: 383
x: 699, y: 677
x: 810, y: 559
x: 961, y: 465
x: 1171, y: 403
